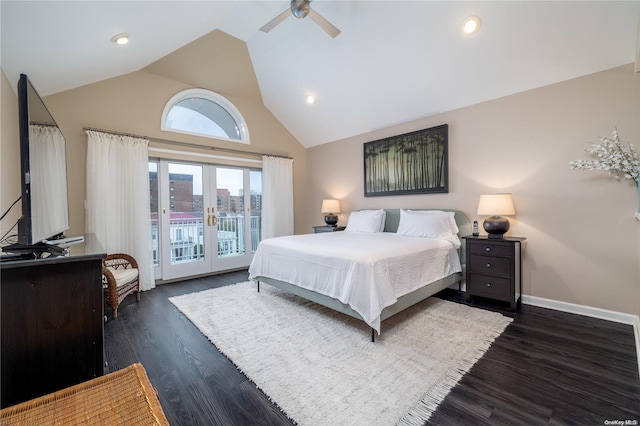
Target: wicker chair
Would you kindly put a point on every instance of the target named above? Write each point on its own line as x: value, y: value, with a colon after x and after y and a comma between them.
x: 119, y: 279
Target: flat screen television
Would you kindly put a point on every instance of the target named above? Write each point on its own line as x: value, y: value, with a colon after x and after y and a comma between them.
x: 43, y: 164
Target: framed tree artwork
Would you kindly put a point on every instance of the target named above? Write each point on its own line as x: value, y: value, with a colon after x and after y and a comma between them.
x: 413, y: 163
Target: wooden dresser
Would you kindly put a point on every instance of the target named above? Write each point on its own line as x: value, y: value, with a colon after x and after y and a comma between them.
x: 52, y: 319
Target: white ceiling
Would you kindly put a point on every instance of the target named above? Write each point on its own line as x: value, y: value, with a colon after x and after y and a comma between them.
x: 394, y: 61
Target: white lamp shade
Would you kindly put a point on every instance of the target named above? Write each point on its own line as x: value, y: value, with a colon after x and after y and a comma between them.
x: 496, y: 205
x: 330, y: 206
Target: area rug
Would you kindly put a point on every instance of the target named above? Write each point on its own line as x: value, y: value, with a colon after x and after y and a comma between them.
x: 321, y: 368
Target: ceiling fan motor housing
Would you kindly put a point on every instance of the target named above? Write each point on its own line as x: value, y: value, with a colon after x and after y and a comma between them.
x: 300, y: 8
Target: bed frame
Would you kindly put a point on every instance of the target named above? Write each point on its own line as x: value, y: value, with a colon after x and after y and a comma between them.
x: 391, y: 225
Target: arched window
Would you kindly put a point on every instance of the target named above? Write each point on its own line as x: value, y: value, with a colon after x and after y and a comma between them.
x: 204, y: 113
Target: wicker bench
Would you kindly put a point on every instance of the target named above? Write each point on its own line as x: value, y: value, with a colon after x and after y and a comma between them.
x: 124, y: 397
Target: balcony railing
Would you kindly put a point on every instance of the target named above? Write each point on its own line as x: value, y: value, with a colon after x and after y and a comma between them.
x: 187, y: 238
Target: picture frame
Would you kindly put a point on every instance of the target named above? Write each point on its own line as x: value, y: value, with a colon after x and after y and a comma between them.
x: 411, y: 163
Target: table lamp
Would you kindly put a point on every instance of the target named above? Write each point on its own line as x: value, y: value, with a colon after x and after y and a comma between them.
x: 495, y: 206
x: 330, y: 207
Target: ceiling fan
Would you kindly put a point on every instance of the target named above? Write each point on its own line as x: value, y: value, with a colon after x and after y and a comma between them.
x: 300, y: 9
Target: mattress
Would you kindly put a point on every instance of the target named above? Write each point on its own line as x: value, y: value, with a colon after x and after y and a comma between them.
x: 367, y: 271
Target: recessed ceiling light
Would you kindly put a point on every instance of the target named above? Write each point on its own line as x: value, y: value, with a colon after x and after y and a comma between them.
x: 121, y: 39
x: 310, y: 99
x: 471, y: 25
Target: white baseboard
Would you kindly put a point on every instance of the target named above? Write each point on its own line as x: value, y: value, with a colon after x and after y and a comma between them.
x: 633, y: 320
x: 580, y: 309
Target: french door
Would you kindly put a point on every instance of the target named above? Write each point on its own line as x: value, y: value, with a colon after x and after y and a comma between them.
x: 206, y: 217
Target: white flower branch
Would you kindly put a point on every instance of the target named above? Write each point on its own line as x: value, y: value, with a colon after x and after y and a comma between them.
x: 612, y: 156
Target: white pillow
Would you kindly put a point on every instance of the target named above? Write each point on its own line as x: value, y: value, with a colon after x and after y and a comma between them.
x: 366, y: 221
x: 433, y: 224
x: 451, y: 215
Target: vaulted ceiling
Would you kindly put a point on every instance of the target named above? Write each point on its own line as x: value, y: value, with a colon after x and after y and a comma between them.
x: 394, y: 61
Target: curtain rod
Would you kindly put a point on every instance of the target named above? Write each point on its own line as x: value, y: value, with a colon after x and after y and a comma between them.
x: 187, y: 144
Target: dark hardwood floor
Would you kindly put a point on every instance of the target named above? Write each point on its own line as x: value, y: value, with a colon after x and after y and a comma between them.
x: 547, y: 368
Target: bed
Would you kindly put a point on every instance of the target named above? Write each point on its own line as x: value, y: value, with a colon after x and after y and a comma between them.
x: 369, y: 276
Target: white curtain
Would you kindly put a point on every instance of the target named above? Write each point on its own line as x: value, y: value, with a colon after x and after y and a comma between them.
x: 277, y: 197
x: 47, y: 158
x: 118, y: 198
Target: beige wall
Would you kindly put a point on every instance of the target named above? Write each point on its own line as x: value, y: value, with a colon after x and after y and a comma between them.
x: 133, y: 103
x: 582, y: 238
x: 10, y: 156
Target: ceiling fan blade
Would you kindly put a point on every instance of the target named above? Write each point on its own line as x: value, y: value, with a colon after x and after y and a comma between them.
x: 327, y: 26
x: 275, y: 21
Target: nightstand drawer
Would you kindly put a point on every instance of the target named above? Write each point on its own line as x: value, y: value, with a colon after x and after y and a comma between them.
x: 486, y: 265
x: 493, y: 287
x: 490, y: 249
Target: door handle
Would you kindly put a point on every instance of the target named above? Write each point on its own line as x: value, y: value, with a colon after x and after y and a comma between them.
x: 215, y: 220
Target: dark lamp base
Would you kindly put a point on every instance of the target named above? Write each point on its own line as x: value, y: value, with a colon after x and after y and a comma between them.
x: 495, y: 236
x: 331, y: 219
x: 496, y: 226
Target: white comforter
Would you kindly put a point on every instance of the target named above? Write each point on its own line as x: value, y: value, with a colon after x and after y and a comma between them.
x: 365, y: 271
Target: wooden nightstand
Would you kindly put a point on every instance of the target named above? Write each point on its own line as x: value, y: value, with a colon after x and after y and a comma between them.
x: 318, y: 229
x: 494, y: 268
